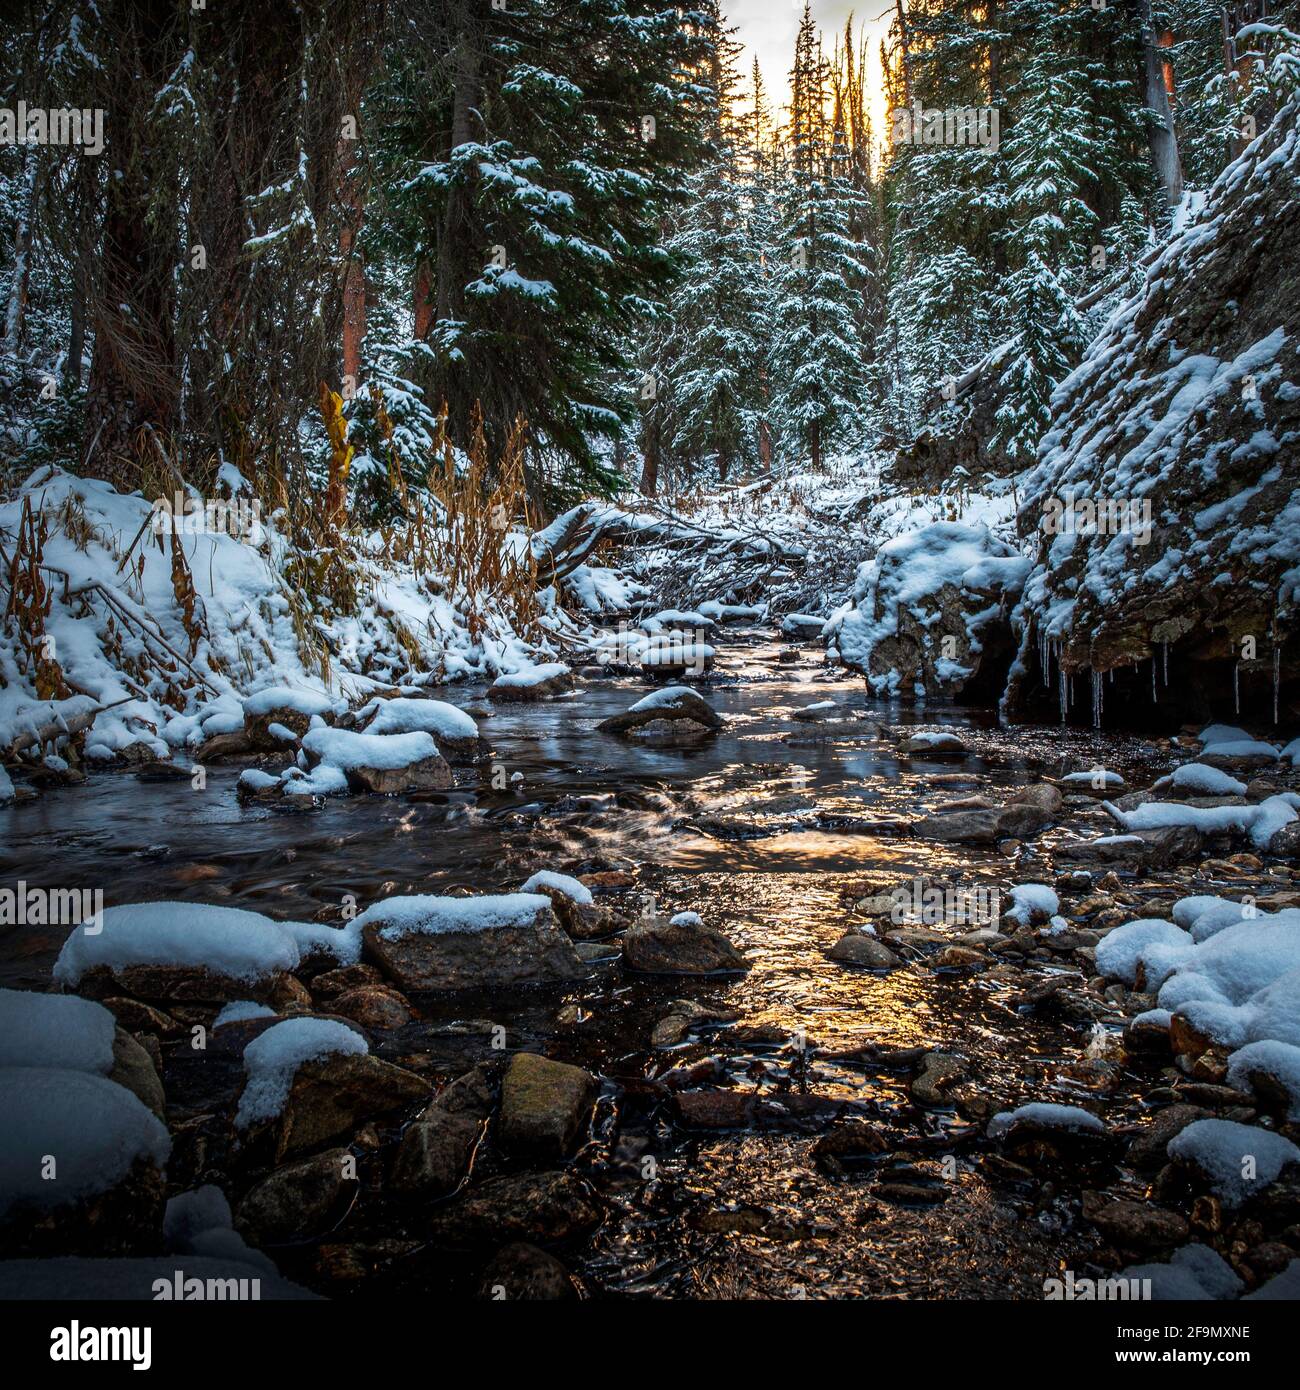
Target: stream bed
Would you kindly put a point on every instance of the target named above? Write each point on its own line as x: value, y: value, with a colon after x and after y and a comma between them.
x: 772, y: 832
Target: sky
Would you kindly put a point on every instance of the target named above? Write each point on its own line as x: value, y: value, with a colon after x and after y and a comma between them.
x: 767, y: 28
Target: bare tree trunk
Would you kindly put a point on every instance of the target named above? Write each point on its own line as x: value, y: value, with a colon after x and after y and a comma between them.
x: 1160, y: 131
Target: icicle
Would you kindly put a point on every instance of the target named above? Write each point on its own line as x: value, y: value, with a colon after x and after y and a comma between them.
x: 1155, y: 697
x: 1236, y: 687
x: 1098, y: 685
x: 1164, y: 647
x: 1065, y: 692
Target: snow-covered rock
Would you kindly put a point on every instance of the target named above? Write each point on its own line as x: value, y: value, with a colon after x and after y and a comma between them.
x: 533, y: 683
x: 1191, y: 410
x: 930, y: 612
x: 427, y: 943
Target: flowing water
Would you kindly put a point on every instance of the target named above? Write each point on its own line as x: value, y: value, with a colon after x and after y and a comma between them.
x: 771, y: 832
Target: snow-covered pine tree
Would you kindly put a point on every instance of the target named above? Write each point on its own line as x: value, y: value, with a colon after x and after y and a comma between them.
x: 712, y: 358
x: 539, y: 158
x: 817, y: 365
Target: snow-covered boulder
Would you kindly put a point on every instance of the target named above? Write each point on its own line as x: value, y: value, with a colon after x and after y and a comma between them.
x: 384, y: 763
x: 427, y: 944
x: 677, y: 703
x: 1186, y: 405
x: 194, y: 953
x: 532, y: 683
x: 454, y: 731
x: 82, y: 1164
x: 929, y: 613
x: 282, y: 707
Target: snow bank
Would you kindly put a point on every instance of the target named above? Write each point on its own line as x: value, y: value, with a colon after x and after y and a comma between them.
x: 95, y: 1130
x: 229, y: 941
x: 272, y: 1060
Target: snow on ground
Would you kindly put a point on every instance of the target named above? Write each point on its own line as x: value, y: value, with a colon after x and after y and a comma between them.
x: 121, y: 640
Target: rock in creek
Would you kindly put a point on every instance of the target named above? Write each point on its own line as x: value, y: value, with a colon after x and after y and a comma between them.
x: 544, y: 1105
x: 677, y: 947
x: 298, y: 1201
x: 435, y: 1152
x: 517, y: 953
x: 534, y: 1207
x: 525, y: 1273
x: 857, y: 948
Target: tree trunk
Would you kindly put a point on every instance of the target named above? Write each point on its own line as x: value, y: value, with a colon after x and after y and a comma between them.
x: 133, y: 391
x: 1160, y: 131
x: 422, y: 301
x: 15, y: 310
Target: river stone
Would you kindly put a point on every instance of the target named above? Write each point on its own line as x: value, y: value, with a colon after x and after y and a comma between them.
x: 140, y: 1018
x: 373, y: 1006
x: 331, y: 983
x: 656, y: 946
x: 475, y: 1093
x: 184, y: 984
x: 1134, y: 1225
x: 938, y: 1072
x: 544, y: 1105
x: 983, y: 827
x: 333, y: 1095
x: 134, y: 1068
x: 1044, y: 795
x: 940, y: 745
x: 685, y: 705
x: 551, y: 1207
x: 537, y: 952
x: 296, y: 1202
x: 1138, y: 850
x: 523, y: 1272
x: 556, y: 683
x: 435, y: 1152
x: 1286, y: 841
x: 857, y: 948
